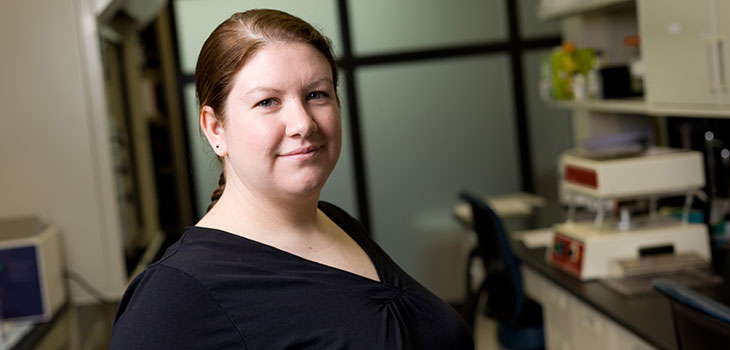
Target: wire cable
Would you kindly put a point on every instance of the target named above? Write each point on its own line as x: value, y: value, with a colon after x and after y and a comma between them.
x: 86, y: 286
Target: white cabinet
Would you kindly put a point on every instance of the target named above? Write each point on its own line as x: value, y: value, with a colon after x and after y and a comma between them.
x: 684, y: 51
x: 684, y: 48
x: 558, y: 320
x: 556, y: 309
x: 572, y: 324
x: 591, y: 330
x: 594, y: 330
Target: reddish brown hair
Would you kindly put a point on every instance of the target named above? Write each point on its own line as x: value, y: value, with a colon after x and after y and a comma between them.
x: 234, y: 42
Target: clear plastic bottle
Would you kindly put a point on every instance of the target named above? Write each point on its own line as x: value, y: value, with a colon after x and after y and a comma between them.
x: 636, y: 65
x: 593, y: 78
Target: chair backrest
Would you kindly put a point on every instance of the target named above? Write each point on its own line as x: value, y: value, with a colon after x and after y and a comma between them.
x: 700, y: 322
x: 505, y: 296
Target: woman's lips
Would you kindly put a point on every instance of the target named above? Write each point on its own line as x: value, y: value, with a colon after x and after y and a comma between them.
x: 303, y: 153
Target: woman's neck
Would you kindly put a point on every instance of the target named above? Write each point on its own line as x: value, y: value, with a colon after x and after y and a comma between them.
x: 267, y: 219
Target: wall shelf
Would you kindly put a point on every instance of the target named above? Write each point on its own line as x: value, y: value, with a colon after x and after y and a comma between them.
x: 623, y: 106
x: 707, y: 111
x: 639, y: 106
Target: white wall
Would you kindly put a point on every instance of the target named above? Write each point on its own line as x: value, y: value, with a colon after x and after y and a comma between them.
x: 54, y: 149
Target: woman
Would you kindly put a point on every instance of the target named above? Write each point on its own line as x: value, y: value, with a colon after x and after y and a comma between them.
x: 270, y: 266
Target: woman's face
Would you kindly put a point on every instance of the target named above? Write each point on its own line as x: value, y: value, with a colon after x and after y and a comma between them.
x: 282, y: 128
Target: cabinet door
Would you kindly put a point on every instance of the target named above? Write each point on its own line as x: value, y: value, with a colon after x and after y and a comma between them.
x: 677, y: 48
x: 558, y: 317
x: 591, y: 330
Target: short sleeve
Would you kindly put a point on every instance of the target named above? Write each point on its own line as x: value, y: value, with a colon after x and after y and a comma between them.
x: 164, y: 308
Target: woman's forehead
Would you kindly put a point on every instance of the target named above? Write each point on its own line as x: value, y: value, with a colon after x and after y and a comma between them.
x: 281, y: 64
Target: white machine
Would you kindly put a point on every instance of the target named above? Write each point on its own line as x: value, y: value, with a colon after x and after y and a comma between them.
x: 591, y: 249
x: 657, y: 171
x: 31, y: 270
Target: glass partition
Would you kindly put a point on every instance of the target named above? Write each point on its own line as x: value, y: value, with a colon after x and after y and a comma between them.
x: 384, y: 26
x: 196, y: 19
x: 430, y: 130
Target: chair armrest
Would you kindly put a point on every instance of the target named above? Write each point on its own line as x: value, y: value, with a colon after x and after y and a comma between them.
x: 692, y: 299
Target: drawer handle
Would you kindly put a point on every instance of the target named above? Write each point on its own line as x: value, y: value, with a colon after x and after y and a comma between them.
x: 721, y: 64
x: 711, y: 68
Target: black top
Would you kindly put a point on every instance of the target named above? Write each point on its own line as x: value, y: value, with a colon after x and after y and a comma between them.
x: 216, y: 290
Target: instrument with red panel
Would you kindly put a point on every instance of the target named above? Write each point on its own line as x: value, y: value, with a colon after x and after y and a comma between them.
x: 587, y: 249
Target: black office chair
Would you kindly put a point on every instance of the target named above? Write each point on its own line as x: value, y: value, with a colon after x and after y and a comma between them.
x: 519, y: 319
x: 699, y: 322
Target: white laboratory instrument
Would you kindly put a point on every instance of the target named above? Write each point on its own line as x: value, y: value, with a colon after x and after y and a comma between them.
x: 659, y: 170
x: 590, y: 249
x: 31, y: 270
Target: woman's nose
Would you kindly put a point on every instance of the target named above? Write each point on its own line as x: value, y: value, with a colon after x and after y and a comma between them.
x: 299, y: 121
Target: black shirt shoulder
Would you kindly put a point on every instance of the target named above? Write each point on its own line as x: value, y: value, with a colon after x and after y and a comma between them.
x: 165, y: 308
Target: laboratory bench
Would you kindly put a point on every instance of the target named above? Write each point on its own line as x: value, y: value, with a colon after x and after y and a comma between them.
x: 589, y: 313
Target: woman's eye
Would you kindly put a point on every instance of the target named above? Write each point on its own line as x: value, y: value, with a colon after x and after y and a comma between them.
x: 316, y: 95
x: 266, y: 103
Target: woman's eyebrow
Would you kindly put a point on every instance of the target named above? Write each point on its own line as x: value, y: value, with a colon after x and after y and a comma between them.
x: 319, y: 81
x: 261, y: 89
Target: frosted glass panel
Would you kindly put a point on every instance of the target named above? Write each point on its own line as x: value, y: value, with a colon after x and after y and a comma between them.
x: 339, y: 190
x: 382, y: 26
x: 432, y: 129
x: 196, y: 19
x: 550, y: 134
x: 530, y: 26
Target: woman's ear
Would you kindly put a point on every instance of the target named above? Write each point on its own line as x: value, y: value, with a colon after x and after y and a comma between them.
x: 213, y: 129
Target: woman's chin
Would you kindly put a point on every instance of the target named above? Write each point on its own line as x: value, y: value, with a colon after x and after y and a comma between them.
x: 306, y: 182
x: 304, y: 188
